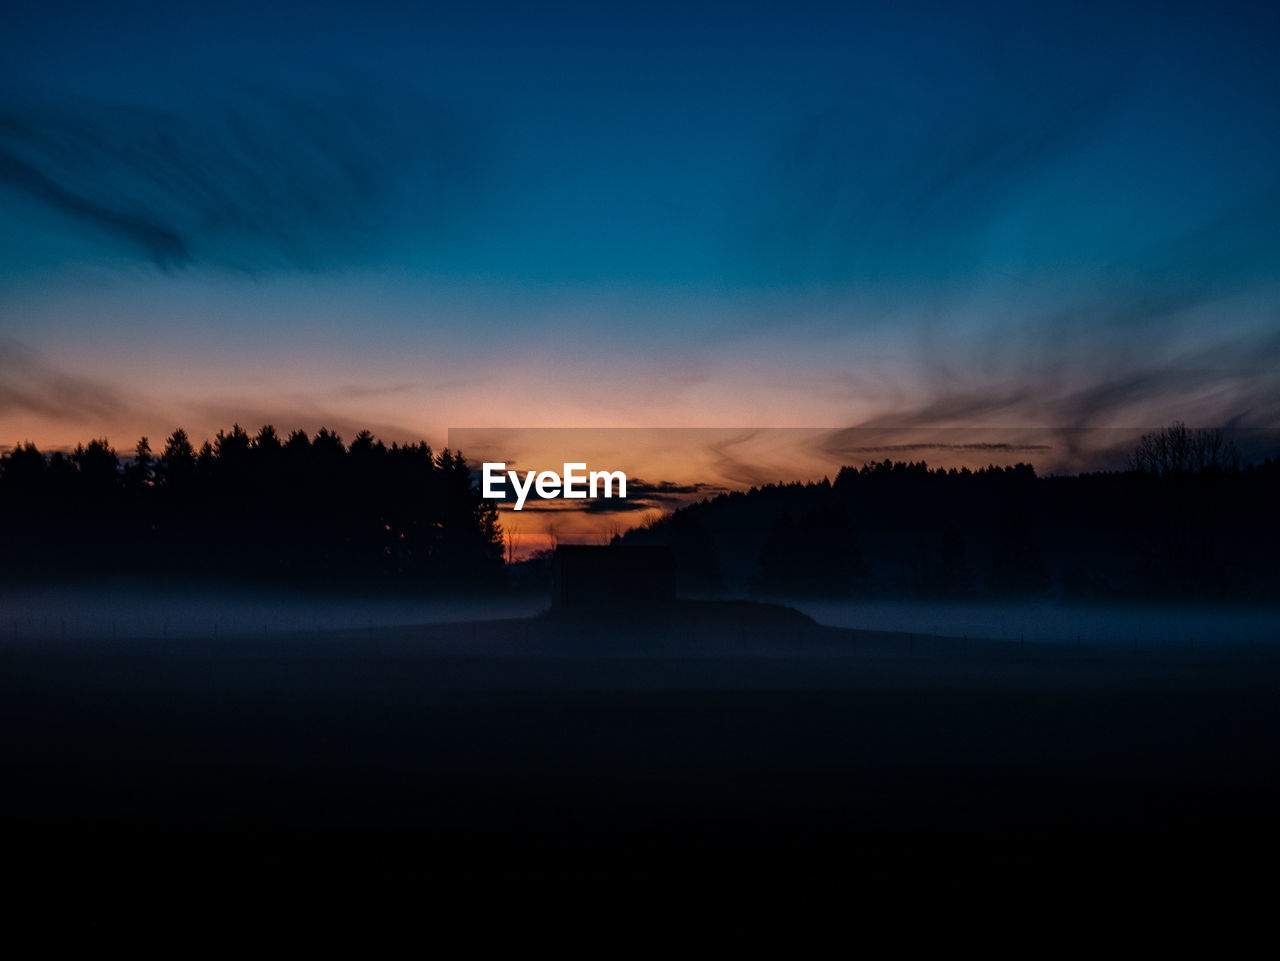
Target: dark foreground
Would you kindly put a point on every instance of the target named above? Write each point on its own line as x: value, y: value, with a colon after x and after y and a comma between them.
x: 748, y: 765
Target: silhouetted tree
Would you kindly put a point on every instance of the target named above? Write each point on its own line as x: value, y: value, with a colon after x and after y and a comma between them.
x: 694, y: 552
x: 253, y: 507
x: 1206, y: 532
x: 177, y: 460
x: 1017, y: 567
x: 1197, y: 525
x: 98, y: 464
x: 267, y: 441
x: 953, y: 577
x: 818, y: 554
x: 24, y: 470
x: 139, y: 474
x: 1179, y: 449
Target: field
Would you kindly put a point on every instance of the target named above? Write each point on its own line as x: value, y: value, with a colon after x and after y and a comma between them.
x: 725, y: 752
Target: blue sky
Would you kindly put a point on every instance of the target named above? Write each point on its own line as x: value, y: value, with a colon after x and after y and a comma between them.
x: 418, y: 216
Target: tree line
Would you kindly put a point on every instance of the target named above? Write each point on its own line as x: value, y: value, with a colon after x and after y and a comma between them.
x: 312, y: 510
x: 1186, y: 519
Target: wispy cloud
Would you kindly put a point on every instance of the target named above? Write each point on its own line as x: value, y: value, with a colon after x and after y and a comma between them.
x: 1070, y: 408
x: 893, y: 182
x: 641, y: 496
x: 256, y: 180
x: 30, y: 385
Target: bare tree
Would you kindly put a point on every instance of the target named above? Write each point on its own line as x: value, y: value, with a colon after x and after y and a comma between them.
x: 1180, y: 449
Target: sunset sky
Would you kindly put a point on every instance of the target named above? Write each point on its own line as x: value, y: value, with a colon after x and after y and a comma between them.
x: 411, y: 217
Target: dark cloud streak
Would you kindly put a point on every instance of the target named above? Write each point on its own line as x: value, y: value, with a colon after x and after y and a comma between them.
x: 256, y: 180
x: 161, y: 244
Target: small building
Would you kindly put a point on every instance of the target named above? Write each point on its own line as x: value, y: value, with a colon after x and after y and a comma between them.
x: 614, y: 578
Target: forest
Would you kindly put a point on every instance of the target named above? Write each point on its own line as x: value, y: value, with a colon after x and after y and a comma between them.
x: 1184, y: 520
x: 308, y: 510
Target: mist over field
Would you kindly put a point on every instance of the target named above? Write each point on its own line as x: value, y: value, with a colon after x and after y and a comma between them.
x: 1154, y: 626
x: 277, y: 745
x: 139, y: 609
x: 131, y: 610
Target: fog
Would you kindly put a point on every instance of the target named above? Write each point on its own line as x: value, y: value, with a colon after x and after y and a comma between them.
x: 1150, y: 626
x: 134, y: 610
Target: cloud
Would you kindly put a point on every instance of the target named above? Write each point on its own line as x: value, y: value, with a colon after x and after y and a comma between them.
x: 30, y: 385
x: 641, y: 496
x: 1002, y: 447
x: 736, y: 459
x: 899, y: 182
x: 663, y: 495
x: 260, y: 180
x: 1079, y: 404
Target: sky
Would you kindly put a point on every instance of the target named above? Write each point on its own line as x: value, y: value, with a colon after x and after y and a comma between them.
x: 416, y: 217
